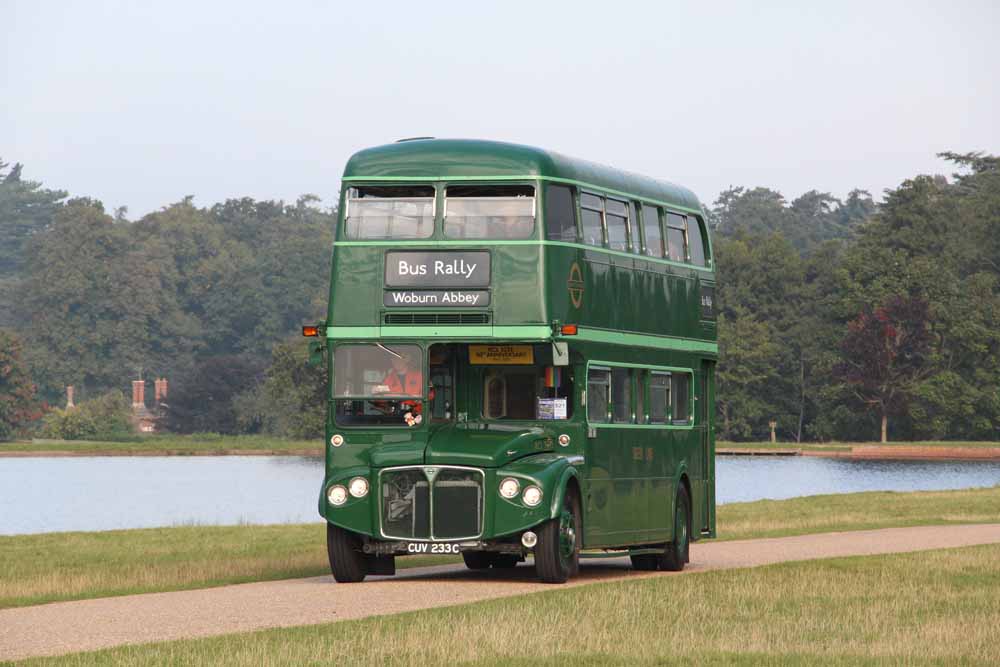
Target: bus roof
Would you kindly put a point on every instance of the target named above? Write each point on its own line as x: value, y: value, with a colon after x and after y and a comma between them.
x: 450, y: 159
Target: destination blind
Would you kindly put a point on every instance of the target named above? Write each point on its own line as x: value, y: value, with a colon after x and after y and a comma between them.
x: 444, y: 279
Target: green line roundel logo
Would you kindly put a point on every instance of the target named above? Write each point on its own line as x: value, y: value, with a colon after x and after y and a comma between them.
x: 575, y: 285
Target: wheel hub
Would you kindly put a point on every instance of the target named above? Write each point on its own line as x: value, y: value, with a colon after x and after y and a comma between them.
x: 567, y: 535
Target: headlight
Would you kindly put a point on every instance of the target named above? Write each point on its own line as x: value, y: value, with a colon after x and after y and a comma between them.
x: 564, y: 440
x: 337, y: 440
x: 509, y: 487
x: 532, y: 496
x: 337, y: 494
x: 359, y: 487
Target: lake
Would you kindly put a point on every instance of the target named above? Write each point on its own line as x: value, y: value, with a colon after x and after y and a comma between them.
x: 102, y: 493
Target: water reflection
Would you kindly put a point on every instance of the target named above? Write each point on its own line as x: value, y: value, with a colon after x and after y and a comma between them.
x: 103, y: 493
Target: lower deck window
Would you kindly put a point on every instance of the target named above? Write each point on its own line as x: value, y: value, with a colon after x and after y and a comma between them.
x: 527, y: 393
x: 621, y: 395
x: 680, y: 386
x: 659, y: 398
x: 598, y: 392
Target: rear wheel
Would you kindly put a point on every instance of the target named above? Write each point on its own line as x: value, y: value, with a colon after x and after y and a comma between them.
x: 347, y: 563
x: 477, y: 560
x: 675, y: 555
x: 505, y: 561
x: 645, y: 561
x: 557, y: 554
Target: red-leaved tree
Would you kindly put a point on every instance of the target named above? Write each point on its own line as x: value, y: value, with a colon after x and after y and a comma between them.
x: 885, y: 355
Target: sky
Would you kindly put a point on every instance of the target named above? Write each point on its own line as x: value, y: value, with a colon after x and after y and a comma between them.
x: 142, y: 104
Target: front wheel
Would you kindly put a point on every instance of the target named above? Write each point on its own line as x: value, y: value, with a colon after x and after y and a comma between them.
x: 557, y: 554
x: 347, y: 563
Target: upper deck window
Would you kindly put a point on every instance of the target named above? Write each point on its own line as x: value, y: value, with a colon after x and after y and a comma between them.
x: 489, y: 211
x: 591, y: 213
x: 676, y: 227
x: 696, y: 243
x: 560, y: 213
x: 390, y: 212
x: 651, y: 227
x: 616, y: 216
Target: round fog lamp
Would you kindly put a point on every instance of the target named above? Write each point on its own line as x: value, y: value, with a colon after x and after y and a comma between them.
x: 359, y: 487
x: 532, y: 496
x: 529, y: 539
x: 509, y: 487
x: 564, y: 440
x: 337, y: 495
x: 337, y: 440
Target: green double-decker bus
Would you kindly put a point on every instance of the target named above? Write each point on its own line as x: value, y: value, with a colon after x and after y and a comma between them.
x: 521, y: 352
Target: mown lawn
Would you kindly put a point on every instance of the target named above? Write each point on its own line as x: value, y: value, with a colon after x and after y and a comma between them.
x: 929, y: 608
x: 847, y: 446
x: 172, y: 445
x: 70, y: 566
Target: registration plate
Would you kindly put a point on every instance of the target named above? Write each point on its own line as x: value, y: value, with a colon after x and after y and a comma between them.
x: 432, y: 548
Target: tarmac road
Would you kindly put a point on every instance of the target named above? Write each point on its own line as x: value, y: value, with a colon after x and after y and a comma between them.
x: 85, y: 625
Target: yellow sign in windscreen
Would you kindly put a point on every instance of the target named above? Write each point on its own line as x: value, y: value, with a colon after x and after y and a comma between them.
x: 501, y: 354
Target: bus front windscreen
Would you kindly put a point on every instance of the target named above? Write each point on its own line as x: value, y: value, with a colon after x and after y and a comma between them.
x: 378, y: 385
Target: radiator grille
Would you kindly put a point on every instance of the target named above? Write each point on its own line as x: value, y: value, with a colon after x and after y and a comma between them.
x: 431, y: 502
x: 437, y: 318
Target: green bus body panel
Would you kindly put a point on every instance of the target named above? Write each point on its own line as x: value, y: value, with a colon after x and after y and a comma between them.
x: 630, y: 310
x: 468, y: 159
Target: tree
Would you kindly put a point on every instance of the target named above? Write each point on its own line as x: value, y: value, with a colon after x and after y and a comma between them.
x: 290, y: 402
x: 204, y: 401
x: 885, y: 354
x: 747, y: 368
x: 17, y: 392
x: 107, y: 417
x: 26, y: 209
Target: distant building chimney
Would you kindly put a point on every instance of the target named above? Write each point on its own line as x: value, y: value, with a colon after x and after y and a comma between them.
x: 160, y: 387
x: 138, y: 394
x: 69, y: 397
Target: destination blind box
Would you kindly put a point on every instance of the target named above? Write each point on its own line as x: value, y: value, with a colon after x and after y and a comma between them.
x: 440, y: 279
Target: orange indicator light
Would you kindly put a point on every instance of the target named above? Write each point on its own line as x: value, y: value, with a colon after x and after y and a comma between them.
x: 310, y: 331
x: 568, y: 330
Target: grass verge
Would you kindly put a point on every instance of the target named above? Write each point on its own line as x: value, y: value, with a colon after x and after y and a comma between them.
x: 848, y: 446
x: 930, y: 608
x: 71, y: 566
x: 215, y: 444
x: 169, y: 445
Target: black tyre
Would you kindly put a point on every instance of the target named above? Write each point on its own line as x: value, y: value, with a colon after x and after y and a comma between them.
x: 675, y: 554
x: 557, y: 554
x: 477, y: 560
x: 347, y: 563
x: 505, y: 561
x: 645, y: 562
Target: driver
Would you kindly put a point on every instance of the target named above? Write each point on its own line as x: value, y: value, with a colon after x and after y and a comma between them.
x: 405, y: 379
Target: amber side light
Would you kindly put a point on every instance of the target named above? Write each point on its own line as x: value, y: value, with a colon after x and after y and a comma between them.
x: 310, y: 331
x: 568, y: 330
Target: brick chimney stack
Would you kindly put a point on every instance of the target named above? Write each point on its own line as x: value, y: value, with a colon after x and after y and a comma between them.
x: 160, y: 387
x: 138, y: 394
x: 69, y: 397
